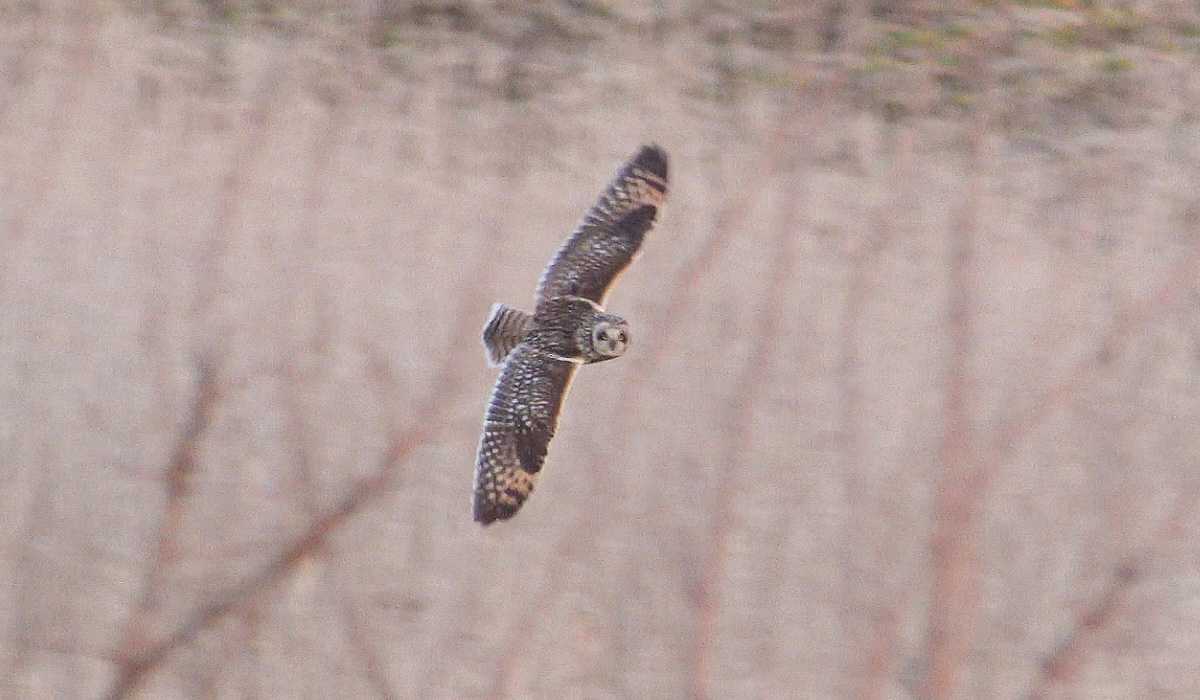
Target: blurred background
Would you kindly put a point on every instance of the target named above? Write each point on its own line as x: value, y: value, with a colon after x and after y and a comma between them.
x: 911, y: 410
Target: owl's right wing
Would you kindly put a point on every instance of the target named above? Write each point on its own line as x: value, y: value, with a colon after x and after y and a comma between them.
x: 605, y: 242
x: 520, y: 421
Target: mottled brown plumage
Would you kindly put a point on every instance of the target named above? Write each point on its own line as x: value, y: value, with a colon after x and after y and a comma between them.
x: 541, y: 352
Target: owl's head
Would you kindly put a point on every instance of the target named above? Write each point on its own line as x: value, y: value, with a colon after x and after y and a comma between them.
x: 579, y: 330
x: 609, y: 338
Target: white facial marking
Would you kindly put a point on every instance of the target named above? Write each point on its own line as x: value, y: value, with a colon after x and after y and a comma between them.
x: 610, y: 339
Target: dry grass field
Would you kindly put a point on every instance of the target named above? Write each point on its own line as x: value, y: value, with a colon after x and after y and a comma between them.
x: 911, y: 409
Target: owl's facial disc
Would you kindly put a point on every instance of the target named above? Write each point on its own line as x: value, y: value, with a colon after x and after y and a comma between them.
x: 610, y: 339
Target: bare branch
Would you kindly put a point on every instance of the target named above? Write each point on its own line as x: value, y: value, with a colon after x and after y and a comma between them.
x: 862, y: 272
x: 251, y: 620
x: 175, y: 481
x: 953, y: 545
x: 37, y: 520
x: 81, y: 50
x: 1063, y: 663
x: 357, y: 636
x: 428, y: 423
x: 741, y: 423
x: 232, y: 195
x: 1065, y: 660
x: 133, y: 671
x: 183, y: 459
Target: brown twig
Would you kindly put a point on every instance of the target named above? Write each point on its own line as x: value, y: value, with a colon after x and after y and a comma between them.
x: 372, y: 666
x: 953, y: 540
x: 751, y: 381
x: 1062, y: 664
x: 1013, y: 431
x: 298, y: 376
x: 131, y: 673
x: 81, y: 50
x: 80, y: 54
x: 885, y: 629
x: 176, y: 478
x: 38, y: 518
x: 954, y: 544
x: 182, y: 460
x: 228, y: 212
x: 428, y: 424
x: 251, y: 621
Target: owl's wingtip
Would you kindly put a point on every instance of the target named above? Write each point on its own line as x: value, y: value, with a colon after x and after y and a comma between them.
x: 488, y: 513
x: 653, y: 158
x: 483, y: 516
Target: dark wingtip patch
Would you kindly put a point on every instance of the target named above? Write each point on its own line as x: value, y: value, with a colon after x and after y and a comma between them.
x: 652, y: 158
x: 487, y: 512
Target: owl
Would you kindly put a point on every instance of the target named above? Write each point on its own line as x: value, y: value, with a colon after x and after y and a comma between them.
x: 540, y: 352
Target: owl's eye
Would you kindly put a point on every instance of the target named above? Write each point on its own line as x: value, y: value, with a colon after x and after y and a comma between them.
x: 621, y: 337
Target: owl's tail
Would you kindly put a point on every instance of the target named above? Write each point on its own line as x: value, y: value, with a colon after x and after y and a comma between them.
x: 503, y: 331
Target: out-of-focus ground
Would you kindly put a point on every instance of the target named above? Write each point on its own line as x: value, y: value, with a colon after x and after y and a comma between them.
x: 911, y: 409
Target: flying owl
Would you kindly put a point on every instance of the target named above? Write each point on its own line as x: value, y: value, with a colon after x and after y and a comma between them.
x: 539, y: 352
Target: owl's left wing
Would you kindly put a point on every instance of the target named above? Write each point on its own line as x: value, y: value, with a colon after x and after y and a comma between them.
x: 520, y: 421
x: 611, y: 233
